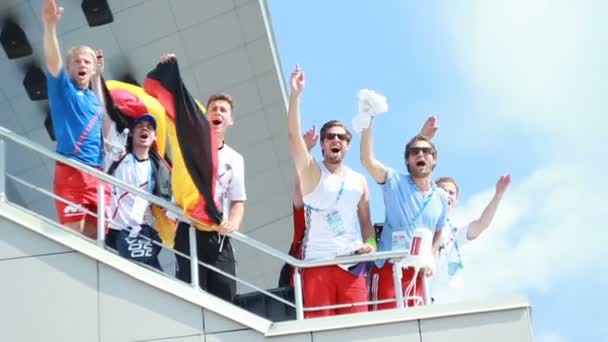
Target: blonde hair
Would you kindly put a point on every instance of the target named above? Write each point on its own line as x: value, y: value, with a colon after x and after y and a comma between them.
x: 447, y: 179
x: 81, y: 49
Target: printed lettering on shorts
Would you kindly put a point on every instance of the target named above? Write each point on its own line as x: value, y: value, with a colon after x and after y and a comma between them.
x: 139, y: 247
x: 71, y: 210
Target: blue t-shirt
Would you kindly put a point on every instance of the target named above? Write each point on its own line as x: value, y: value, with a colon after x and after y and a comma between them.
x: 403, y: 202
x: 77, y: 120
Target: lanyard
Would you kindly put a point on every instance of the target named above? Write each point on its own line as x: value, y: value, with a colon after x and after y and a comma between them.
x: 455, y: 242
x: 422, y: 207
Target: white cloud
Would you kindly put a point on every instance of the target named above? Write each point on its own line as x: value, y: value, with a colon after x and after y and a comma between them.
x: 542, y: 62
x: 539, y: 66
x: 547, y: 229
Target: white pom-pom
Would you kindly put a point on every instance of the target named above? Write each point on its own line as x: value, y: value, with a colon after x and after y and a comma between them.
x: 372, y: 103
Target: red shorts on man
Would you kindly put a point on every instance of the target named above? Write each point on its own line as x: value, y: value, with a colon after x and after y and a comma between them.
x: 383, y: 286
x: 80, y: 188
x: 330, y: 285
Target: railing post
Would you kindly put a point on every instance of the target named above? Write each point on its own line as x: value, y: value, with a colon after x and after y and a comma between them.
x: 297, y: 286
x: 427, y: 290
x: 101, y: 214
x: 2, y: 170
x: 193, y: 257
x: 397, y: 275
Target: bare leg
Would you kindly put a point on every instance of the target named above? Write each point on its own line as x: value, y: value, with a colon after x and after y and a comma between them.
x: 90, y: 229
x: 76, y: 226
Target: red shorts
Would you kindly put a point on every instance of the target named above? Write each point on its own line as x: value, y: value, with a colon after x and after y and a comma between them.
x: 80, y: 188
x: 383, y: 287
x: 299, y: 228
x: 330, y: 285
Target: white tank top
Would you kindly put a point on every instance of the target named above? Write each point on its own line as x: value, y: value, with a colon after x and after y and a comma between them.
x: 331, y: 215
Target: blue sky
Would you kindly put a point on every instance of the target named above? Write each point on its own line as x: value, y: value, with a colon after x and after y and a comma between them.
x: 517, y: 87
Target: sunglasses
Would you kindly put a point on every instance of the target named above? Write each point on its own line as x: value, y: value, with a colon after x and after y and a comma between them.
x: 332, y: 136
x: 414, y: 151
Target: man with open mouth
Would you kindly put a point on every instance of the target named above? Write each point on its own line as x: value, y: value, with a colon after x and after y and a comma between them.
x: 411, y: 201
x: 214, y: 247
x: 77, y: 115
x: 334, y: 197
x: 136, y: 167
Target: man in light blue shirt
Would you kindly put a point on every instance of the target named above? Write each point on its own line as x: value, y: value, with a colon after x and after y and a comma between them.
x: 411, y: 201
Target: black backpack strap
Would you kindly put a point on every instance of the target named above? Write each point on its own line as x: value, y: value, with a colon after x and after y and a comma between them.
x: 115, y: 164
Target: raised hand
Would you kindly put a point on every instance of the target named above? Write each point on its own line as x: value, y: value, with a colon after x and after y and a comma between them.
x: 167, y: 57
x: 100, y: 62
x: 51, y: 13
x: 311, y: 137
x: 430, y: 127
x: 503, y: 184
x: 297, y: 80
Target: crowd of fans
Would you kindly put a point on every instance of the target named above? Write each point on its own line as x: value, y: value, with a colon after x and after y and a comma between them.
x: 331, y: 203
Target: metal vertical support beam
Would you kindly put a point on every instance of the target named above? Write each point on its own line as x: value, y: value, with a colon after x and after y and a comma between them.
x: 427, y: 290
x: 2, y: 170
x: 397, y: 275
x: 297, y: 286
x: 193, y: 257
x: 101, y: 214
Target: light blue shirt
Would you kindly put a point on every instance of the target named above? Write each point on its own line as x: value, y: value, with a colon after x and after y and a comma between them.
x: 403, y: 202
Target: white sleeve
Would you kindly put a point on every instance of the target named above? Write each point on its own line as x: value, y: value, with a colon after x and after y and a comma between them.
x: 461, y: 234
x: 113, y: 137
x: 236, y: 190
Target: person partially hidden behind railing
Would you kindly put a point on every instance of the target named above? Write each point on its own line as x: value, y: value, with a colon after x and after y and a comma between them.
x: 299, y: 220
x: 131, y: 221
x: 334, y: 197
x: 77, y: 115
x: 447, y: 279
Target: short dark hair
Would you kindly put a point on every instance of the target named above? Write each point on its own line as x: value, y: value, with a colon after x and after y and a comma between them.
x: 335, y: 123
x: 220, y: 97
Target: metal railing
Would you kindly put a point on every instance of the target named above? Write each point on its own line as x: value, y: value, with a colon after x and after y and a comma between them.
x: 397, y: 256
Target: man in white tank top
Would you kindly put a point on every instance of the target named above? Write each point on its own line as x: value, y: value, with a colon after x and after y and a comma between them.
x: 335, y: 197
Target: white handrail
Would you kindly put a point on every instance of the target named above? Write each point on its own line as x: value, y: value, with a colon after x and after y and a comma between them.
x: 177, y: 212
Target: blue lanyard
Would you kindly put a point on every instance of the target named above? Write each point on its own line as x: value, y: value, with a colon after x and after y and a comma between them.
x: 455, y: 242
x: 337, y: 200
x: 422, y: 207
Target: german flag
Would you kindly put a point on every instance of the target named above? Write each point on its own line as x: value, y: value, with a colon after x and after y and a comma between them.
x: 193, y: 146
x: 124, y: 103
